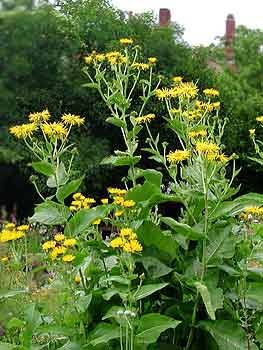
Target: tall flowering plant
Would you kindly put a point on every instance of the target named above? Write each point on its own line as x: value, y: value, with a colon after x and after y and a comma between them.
x: 137, y: 277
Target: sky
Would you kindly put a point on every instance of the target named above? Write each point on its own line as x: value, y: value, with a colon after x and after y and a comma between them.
x: 203, y: 20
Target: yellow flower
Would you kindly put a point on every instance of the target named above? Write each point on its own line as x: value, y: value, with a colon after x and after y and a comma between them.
x: 88, y: 59
x: 22, y: 228
x: 78, y: 195
x: 55, y: 129
x: 135, y: 246
x: 260, y: 119
x: 145, y: 118
x: 223, y: 158
x: 162, y: 93
x: 193, y: 134
x: 178, y: 156
x: 140, y: 66
x: 188, y: 90
x: 152, y: 60
x: 59, y: 250
x: 126, y: 232
x: 72, y: 119
x: 53, y: 255
x: 118, y: 200
x: 117, y: 242
x: 70, y: 242
x: 211, y: 92
x: 39, y: 117
x: 10, y: 226
x: 104, y: 201
x: 192, y: 115
x: 117, y: 191
x: 128, y: 203
x: 207, y: 147
x: 77, y: 279
x: 96, y: 222
x: 68, y: 258
x: 175, y: 110
x: 100, y: 57
x: 126, y: 41
x: 216, y: 105
x: 48, y: 245
x: 252, y: 132
x: 23, y: 131
x: 115, y: 57
x: 59, y: 237
x: 118, y: 212
x: 177, y: 79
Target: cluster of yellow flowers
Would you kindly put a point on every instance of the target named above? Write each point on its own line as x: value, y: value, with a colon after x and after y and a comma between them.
x: 140, y: 66
x: 11, y: 232
x: 145, y: 118
x: 208, y: 150
x: 127, y: 241
x: 126, y: 41
x: 252, y: 213
x: 81, y: 202
x: 113, y: 57
x: 60, y: 246
x: 40, y: 121
x: 211, y: 92
x: 186, y: 90
x: 207, y: 106
x: 118, y: 199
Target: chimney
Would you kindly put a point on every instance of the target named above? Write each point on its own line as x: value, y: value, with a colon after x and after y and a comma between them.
x: 229, y: 38
x: 164, y: 17
x: 230, y: 29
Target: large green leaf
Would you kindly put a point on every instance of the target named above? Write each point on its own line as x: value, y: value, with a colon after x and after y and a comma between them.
x: 66, y: 190
x: 149, y: 289
x: 150, y: 235
x: 103, y: 333
x: 207, y: 298
x: 117, y: 122
x: 50, y: 213
x: 183, y: 229
x: 154, y: 267
x: 7, y: 346
x: 83, y: 218
x: 33, y: 321
x: 43, y: 167
x: 150, y: 327
x: 254, y: 295
x: 221, y: 243
x: 70, y: 346
x: 233, y: 208
x: 228, y: 334
x: 11, y: 293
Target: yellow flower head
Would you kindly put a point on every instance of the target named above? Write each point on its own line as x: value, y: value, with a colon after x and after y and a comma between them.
x: 4, y: 259
x: 118, y: 200
x: 207, y: 147
x: 252, y: 132
x: 115, y: 57
x: 193, y: 134
x: 104, y: 201
x: 39, y: 117
x: 162, y: 93
x: 48, y: 245
x: 59, y: 237
x: 68, y: 258
x: 10, y: 226
x: 22, y: 228
x: 152, y: 60
x: 140, y: 66
x: 126, y: 41
x: 55, y: 129
x: 187, y: 90
x: 96, y: 222
x: 70, y: 242
x: 59, y: 250
x: 118, y: 213
x: 259, y: 119
x: 177, y: 79
x: 128, y: 203
x: 88, y: 59
x: 178, y: 156
x: 117, y: 191
x: 126, y: 232
x: 175, y: 111
x: 72, y: 119
x: 211, y: 92
x: 117, y: 242
x: 145, y: 118
x: 23, y: 131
